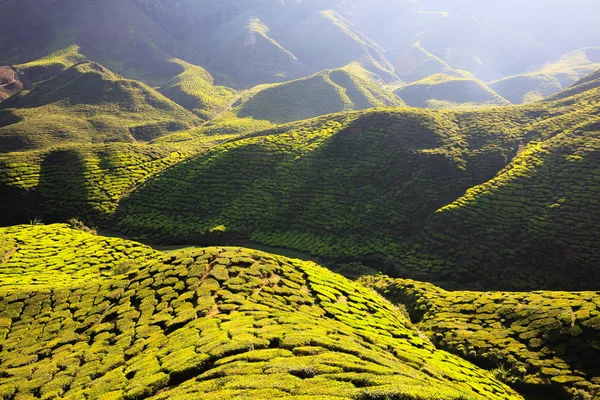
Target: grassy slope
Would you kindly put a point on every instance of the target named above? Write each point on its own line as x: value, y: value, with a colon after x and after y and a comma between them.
x: 213, y: 323
x: 368, y: 183
x: 342, y: 185
x: 365, y: 183
x: 445, y: 91
x: 536, y: 220
x: 586, y: 83
x: 87, y: 180
x: 194, y: 89
x: 538, y: 339
x: 550, y: 79
x: 87, y: 103
x: 348, y: 88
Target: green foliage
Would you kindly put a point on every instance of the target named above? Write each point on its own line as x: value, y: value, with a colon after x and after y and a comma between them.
x: 446, y: 91
x: 274, y: 327
x: 194, y: 89
x: 543, y: 339
x: 84, y: 182
x: 348, y: 88
x: 87, y: 103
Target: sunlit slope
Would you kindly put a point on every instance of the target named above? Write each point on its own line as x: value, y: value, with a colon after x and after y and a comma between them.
x: 586, y: 83
x: 348, y: 88
x: 194, y: 89
x: 87, y: 103
x: 545, y: 340
x: 550, y: 79
x: 536, y: 223
x: 446, y: 91
x: 213, y: 323
x: 343, y: 185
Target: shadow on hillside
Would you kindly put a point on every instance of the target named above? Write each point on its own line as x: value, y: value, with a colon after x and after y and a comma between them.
x: 62, y: 191
x: 60, y: 194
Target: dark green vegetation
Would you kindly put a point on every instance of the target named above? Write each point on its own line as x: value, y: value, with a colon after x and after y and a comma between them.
x: 538, y: 339
x: 485, y: 198
x: 445, y: 91
x: 87, y: 103
x: 348, y: 88
x: 214, y: 323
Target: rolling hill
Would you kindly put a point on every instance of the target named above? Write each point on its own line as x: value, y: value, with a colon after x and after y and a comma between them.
x: 416, y: 64
x: 403, y: 190
x: 87, y: 103
x: 544, y: 82
x: 327, y: 92
x: 446, y: 91
x: 540, y: 341
x: 194, y: 89
x: 215, y: 322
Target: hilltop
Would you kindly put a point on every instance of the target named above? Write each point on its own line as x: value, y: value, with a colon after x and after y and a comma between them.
x: 327, y: 92
x: 540, y: 341
x: 87, y: 103
x: 446, y: 91
x: 552, y: 78
x: 215, y: 322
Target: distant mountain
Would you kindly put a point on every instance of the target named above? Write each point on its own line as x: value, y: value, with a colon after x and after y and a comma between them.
x: 445, y: 91
x: 416, y: 64
x: 87, y: 103
x: 589, y: 82
x: 551, y: 78
x: 344, y: 89
x: 327, y: 40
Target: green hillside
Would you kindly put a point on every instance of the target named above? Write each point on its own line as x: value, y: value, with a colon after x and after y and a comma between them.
x: 403, y: 190
x: 348, y: 88
x: 443, y: 91
x: 589, y: 82
x: 536, y: 222
x: 537, y: 340
x: 550, y: 79
x: 213, y: 323
x: 87, y: 103
x: 343, y: 185
x: 194, y: 89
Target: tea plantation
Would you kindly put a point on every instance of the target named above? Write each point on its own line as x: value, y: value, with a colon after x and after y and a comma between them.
x: 548, y: 339
x: 212, y: 323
